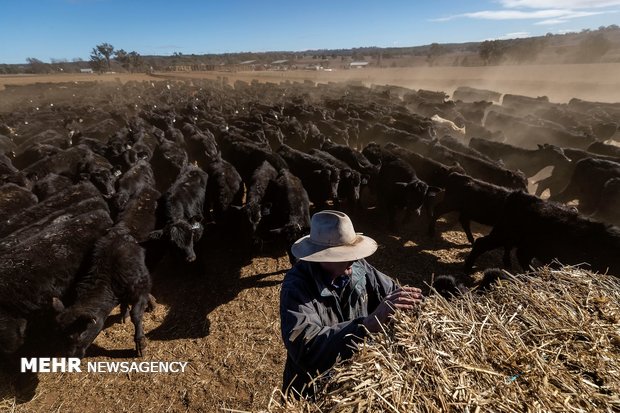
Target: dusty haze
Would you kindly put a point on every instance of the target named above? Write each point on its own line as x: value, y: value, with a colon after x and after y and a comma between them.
x: 594, y: 82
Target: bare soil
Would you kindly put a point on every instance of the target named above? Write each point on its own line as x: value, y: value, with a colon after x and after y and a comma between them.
x: 220, y: 314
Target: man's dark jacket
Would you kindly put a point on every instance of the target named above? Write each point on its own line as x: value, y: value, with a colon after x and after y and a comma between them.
x: 320, y: 322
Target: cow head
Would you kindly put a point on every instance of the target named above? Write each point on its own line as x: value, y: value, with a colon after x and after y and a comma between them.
x: 349, y: 186
x: 181, y: 235
x: 12, y: 333
x: 418, y: 193
x: 78, y: 327
x: 554, y: 154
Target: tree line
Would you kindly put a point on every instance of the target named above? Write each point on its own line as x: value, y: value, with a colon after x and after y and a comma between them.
x: 588, y: 46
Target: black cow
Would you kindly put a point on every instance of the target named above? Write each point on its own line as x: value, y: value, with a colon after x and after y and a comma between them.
x: 43, y: 266
x: 53, y: 207
x: 140, y: 213
x: 355, y: 159
x: 50, y: 185
x: 475, y: 200
x: 350, y: 179
x: 587, y: 181
x: 527, y: 134
x: 609, y: 203
x: 546, y: 231
x: 14, y: 199
x: 397, y: 185
x: 69, y: 162
x: 100, y: 172
x: 287, y: 215
x: 430, y: 171
x: 478, y: 168
x: 168, y: 160
x: 131, y: 182
x: 34, y: 154
x: 201, y: 146
x: 182, y: 209
x: 319, y: 177
x: 225, y: 188
x: 457, y: 145
x: 246, y: 156
x: 529, y: 161
x: 262, y: 178
x: 601, y: 148
x: 118, y: 275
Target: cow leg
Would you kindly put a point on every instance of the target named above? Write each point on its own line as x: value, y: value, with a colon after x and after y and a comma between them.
x: 124, y: 312
x: 433, y: 214
x: 151, y: 304
x: 481, y: 245
x: 465, y: 223
x: 137, y: 312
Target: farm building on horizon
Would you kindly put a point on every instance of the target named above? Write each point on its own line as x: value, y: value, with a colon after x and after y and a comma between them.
x: 358, y: 65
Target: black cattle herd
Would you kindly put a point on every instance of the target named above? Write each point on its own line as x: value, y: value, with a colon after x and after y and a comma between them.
x: 100, y: 181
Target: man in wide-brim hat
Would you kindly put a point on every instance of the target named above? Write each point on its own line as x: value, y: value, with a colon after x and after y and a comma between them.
x: 332, y: 298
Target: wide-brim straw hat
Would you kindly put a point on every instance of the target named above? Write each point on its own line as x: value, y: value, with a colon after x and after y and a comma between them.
x: 333, y: 239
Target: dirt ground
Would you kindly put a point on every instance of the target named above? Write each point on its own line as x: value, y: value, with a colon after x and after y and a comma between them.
x: 220, y: 313
x: 595, y: 82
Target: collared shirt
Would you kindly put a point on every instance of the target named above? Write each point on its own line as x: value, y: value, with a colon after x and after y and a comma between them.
x: 320, y: 323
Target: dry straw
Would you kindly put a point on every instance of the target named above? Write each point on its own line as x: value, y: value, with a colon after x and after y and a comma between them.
x: 547, y: 342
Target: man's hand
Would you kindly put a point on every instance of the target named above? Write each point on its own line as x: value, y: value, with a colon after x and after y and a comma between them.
x: 404, y: 298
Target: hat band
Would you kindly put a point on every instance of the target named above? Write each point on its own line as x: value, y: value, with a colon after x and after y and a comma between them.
x: 331, y: 244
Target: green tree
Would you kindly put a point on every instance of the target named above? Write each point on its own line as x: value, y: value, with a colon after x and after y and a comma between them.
x: 100, y: 56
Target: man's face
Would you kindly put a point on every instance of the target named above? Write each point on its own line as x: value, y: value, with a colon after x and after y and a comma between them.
x: 336, y: 269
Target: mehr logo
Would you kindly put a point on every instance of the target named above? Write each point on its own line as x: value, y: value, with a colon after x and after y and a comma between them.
x: 74, y: 365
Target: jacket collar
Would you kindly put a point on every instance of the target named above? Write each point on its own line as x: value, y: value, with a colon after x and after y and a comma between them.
x: 318, y: 276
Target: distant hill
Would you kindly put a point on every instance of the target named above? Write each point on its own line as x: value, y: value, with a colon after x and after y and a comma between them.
x: 588, y: 46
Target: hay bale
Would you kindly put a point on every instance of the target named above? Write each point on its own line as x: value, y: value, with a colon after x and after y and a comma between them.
x: 545, y: 342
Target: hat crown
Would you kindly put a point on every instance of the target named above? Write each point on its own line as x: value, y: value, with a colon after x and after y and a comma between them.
x: 331, y: 229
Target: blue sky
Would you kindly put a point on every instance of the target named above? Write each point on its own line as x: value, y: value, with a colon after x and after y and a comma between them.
x: 68, y: 29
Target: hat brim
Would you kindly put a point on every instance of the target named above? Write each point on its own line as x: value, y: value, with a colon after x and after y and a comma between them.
x: 362, y: 247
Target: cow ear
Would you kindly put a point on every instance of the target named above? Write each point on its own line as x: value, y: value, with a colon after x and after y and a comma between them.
x: 155, y: 235
x: 57, y: 305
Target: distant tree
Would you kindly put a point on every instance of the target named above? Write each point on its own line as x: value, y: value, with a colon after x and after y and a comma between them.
x: 434, y: 51
x: 37, y: 66
x: 122, y: 57
x: 100, y: 56
x: 491, y: 51
x: 593, y: 48
x: 526, y: 50
x: 135, y: 60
